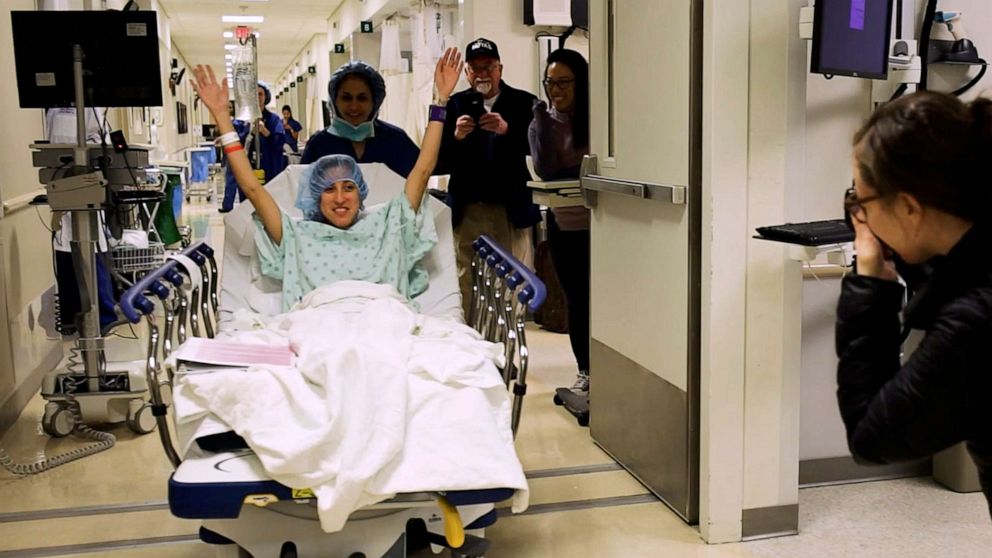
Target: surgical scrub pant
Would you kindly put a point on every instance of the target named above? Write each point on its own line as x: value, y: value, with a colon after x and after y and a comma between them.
x: 231, y: 189
x: 492, y: 221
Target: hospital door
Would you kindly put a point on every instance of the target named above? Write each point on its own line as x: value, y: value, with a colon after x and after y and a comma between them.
x: 643, y: 183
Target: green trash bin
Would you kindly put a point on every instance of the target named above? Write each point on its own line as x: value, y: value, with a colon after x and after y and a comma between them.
x: 165, y: 218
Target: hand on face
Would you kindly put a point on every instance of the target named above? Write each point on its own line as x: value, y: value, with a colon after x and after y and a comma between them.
x: 446, y: 73
x: 872, y: 259
x: 213, y: 93
x: 493, y: 122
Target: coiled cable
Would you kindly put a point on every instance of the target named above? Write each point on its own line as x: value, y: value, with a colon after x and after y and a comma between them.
x: 102, y: 440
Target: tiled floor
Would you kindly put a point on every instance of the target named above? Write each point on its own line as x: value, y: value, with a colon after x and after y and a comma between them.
x: 836, y: 521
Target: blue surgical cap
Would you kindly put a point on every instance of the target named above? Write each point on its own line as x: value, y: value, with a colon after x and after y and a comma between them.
x: 359, y: 68
x: 320, y: 176
x: 268, y: 91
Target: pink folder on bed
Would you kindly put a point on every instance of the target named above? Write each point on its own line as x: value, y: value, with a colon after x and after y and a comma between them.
x: 232, y: 353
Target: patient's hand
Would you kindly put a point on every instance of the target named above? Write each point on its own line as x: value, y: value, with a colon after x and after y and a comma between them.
x: 213, y: 93
x: 446, y: 73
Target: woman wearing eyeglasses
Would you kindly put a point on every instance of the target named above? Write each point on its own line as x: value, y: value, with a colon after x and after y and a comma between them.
x: 922, y: 194
x: 559, y: 138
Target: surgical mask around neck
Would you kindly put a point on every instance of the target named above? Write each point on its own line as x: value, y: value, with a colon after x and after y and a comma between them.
x: 344, y: 129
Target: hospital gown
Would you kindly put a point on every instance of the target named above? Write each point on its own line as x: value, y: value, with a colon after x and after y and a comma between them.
x: 386, y: 245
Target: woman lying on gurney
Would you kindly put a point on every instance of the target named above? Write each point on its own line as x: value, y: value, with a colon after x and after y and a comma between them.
x: 336, y: 240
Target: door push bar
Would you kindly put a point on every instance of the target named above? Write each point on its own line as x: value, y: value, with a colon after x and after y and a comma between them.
x: 592, y: 183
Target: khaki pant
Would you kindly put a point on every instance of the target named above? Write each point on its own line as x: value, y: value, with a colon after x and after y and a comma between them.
x: 490, y: 220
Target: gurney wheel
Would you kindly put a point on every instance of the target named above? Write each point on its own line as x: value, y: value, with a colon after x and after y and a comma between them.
x: 140, y: 418
x: 558, y: 400
x: 583, y: 419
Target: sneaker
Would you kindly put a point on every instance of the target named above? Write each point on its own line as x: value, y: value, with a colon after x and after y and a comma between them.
x: 581, y: 384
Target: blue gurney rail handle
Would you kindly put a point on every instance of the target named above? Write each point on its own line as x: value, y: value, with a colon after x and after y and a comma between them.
x: 135, y: 303
x: 533, y: 292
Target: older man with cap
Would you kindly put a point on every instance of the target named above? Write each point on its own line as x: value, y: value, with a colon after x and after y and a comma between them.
x: 484, y: 149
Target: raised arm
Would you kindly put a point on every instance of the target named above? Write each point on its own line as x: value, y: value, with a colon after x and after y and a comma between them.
x: 214, y: 95
x: 446, y: 74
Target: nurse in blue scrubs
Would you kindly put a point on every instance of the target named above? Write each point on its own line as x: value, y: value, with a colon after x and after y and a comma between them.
x: 273, y: 137
x: 357, y: 91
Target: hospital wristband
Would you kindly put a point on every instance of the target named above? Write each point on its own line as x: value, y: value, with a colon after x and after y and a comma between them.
x: 437, y: 113
x: 228, y: 149
x: 229, y: 138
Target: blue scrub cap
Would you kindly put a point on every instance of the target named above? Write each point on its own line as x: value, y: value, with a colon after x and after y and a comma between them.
x: 357, y: 67
x: 268, y: 91
x: 320, y: 175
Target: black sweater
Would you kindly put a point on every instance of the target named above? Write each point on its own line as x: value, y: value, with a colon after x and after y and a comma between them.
x: 942, y: 393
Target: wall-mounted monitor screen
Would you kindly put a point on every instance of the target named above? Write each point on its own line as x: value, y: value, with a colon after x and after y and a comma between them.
x: 120, y: 58
x: 851, y: 38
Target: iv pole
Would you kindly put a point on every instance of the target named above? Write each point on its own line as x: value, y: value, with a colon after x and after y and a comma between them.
x: 85, y: 238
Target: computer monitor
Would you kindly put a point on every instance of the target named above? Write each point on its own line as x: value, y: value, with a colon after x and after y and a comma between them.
x: 120, y: 65
x: 851, y: 38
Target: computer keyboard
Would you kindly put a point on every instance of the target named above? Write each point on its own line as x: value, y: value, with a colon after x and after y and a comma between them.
x: 813, y: 233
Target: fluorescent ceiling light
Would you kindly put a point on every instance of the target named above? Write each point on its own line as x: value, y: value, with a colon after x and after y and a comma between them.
x: 242, y: 19
x: 228, y: 34
x: 230, y: 47
x: 229, y: 56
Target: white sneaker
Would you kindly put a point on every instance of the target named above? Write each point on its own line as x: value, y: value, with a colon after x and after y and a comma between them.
x: 581, y: 384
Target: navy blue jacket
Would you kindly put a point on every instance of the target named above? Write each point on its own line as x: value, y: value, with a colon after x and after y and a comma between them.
x: 390, y: 145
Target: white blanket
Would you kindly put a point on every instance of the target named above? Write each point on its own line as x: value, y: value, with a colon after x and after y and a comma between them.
x: 382, y: 401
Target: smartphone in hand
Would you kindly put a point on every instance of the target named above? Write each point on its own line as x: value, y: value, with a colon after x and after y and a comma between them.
x: 474, y: 106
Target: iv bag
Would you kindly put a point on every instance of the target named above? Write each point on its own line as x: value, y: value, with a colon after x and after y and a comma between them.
x: 245, y: 72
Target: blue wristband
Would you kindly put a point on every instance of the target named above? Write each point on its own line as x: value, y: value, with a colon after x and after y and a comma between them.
x: 437, y: 113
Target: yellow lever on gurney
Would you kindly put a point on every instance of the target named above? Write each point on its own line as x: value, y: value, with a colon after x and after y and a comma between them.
x: 454, y: 531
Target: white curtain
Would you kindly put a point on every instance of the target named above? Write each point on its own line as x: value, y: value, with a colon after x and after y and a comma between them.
x: 391, y: 61
x: 427, y: 36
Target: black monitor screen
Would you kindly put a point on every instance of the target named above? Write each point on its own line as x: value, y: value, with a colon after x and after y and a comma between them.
x: 120, y: 65
x: 851, y: 38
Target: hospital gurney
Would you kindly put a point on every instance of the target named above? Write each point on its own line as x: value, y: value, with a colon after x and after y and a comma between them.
x: 241, y: 506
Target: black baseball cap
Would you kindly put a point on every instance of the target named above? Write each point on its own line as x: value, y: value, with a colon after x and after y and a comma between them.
x: 481, y: 47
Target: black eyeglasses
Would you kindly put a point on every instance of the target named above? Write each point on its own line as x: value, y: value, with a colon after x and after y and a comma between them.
x: 476, y: 70
x: 855, y: 206
x: 558, y: 83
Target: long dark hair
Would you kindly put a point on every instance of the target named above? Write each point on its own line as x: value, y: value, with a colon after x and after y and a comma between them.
x: 933, y: 146
x: 580, y: 68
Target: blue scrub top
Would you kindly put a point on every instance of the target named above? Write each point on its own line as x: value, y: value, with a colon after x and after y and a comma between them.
x: 273, y: 156
x: 296, y: 126
x: 390, y: 146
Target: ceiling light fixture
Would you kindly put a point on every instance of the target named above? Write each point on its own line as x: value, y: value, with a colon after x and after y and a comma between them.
x: 228, y: 34
x: 242, y: 19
